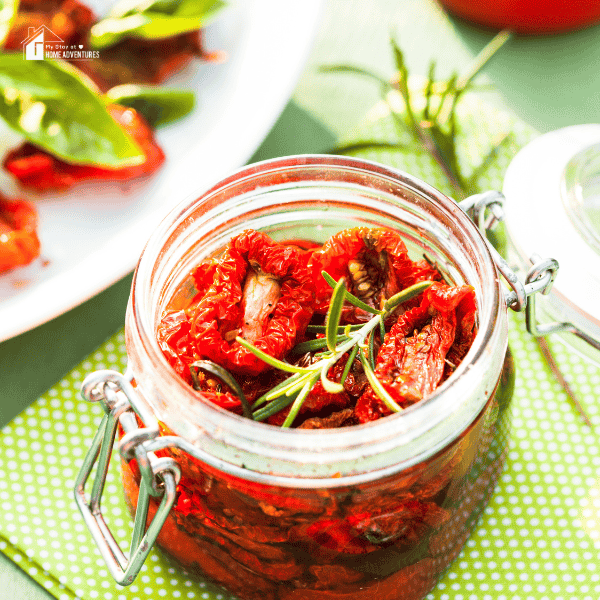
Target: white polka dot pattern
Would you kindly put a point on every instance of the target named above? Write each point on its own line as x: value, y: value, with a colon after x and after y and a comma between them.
x: 40, y: 527
x: 539, y: 538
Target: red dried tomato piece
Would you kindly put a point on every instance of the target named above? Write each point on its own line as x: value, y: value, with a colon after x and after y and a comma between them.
x: 279, y: 503
x: 331, y: 575
x: 173, y: 335
x: 411, y: 367
x: 375, y: 264
x: 135, y: 60
x: 337, y: 535
x: 413, y: 581
x: 132, y: 60
x: 19, y: 243
x: 262, y: 292
x: 69, y: 20
x: 341, y: 418
x: 216, y: 563
x: 465, y: 333
x: 37, y: 169
x: 402, y: 523
x: 204, y: 275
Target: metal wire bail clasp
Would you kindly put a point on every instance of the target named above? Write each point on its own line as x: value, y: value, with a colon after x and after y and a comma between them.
x: 486, y: 210
x: 159, y: 476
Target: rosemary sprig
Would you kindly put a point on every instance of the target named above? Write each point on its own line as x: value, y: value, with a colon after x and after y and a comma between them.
x: 278, y: 364
x: 300, y: 398
x: 267, y: 396
x: 349, y: 363
x: 341, y: 328
x: 377, y: 387
x: 316, y: 344
x: 434, y: 127
x: 272, y: 408
x: 295, y: 389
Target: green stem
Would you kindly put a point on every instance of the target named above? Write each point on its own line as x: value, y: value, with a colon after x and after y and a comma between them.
x: 312, y: 345
x: 270, y: 360
x: 348, y: 365
x: 272, y: 408
x: 483, y: 57
x: 377, y: 387
x: 279, y: 387
x: 298, y: 402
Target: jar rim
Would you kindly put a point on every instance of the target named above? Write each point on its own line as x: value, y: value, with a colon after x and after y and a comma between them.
x: 408, y: 424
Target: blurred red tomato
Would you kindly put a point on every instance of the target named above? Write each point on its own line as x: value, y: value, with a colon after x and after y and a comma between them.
x: 527, y: 16
x: 19, y: 243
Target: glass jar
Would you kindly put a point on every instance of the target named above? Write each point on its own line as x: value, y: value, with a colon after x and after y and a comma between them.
x: 373, y: 511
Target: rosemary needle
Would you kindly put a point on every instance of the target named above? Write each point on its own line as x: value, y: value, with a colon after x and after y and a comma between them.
x: 296, y: 388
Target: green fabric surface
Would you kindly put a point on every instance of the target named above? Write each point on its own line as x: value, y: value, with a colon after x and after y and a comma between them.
x: 539, y: 538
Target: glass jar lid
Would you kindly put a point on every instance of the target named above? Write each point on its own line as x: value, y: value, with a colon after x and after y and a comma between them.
x: 581, y: 194
x: 552, y: 190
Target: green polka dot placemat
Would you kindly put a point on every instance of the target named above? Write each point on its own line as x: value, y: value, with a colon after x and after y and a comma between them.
x: 539, y: 538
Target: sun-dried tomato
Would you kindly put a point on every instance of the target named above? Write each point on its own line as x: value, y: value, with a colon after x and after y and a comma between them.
x: 328, y: 576
x: 69, y: 20
x: 390, y: 538
x: 132, y: 60
x: 202, y: 557
x: 337, y: 535
x: 341, y: 418
x: 135, y: 60
x: 35, y: 168
x: 409, y: 583
x: 262, y: 292
x: 19, y: 243
x: 412, y: 360
x: 403, y: 523
x: 375, y: 264
x: 173, y: 335
x: 272, y: 561
x: 465, y: 333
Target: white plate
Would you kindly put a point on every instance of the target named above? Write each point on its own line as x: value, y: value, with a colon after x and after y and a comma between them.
x: 93, y: 235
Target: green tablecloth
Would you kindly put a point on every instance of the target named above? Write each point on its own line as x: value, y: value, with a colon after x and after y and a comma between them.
x: 540, y: 537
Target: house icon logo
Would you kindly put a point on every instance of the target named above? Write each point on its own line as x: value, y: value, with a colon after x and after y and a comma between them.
x: 36, y: 41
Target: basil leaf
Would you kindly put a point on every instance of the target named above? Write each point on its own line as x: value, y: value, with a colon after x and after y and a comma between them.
x: 157, y: 105
x: 153, y: 20
x: 8, y: 12
x: 129, y: 7
x: 54, y: 107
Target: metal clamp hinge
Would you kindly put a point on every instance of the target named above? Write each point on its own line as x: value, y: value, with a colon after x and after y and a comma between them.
x: 159, y: 476
x: 487, y: 210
